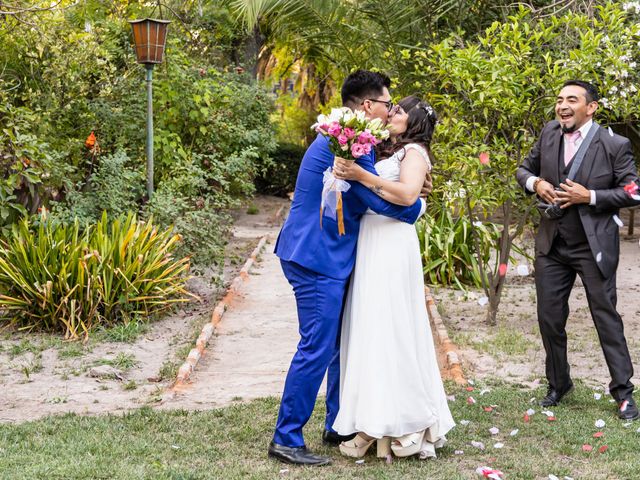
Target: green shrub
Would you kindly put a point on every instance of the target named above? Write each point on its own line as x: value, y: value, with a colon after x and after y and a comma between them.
x: 280, y: 177
x: 115, y: 187
x: 63, y: 278
x: 448, y: 248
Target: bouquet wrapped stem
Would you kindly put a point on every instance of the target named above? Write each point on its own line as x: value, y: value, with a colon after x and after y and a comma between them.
x: 351, y: 136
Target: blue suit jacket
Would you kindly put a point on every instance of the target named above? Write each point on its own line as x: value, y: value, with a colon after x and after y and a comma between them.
x: 322, y: 250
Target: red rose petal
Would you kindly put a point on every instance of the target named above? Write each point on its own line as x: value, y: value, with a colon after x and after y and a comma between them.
x: 551, y: 419
x: 484, y: 158
x: 598, y: 434
x: 469, y: 389
x: 586, y: 447
x: 603, y: 448
x: 488, y: 409
x: 526, y: 418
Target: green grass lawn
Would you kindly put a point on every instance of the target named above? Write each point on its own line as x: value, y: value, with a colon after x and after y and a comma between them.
x: 231, y: 443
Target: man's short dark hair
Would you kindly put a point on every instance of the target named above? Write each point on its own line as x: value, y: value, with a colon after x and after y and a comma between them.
x: 363, y: 84
x: 592, y: 94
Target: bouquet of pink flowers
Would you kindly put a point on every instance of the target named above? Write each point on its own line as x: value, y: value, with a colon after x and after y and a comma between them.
x: 351, y: 135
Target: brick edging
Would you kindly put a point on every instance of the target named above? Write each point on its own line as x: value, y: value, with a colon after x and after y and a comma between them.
x: 453, y: 364
x: 187, y: 368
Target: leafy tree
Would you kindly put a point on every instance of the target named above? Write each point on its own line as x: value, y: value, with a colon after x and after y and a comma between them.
x: 494, y: 94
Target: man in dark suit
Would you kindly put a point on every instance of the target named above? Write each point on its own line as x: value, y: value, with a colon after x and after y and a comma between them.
x: 583, y: 239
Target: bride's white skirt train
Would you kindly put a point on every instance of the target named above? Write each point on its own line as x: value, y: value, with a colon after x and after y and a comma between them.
x: 390, y: 381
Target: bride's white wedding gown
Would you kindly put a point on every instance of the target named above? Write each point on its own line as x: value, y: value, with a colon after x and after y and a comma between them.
x: 390, y: 381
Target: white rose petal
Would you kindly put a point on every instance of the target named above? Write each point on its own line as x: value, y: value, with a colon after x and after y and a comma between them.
x: 458, y: 452
x: 514, y: 432
x: 494, y: 430
x: 600, y: 423
x: 548, y: 413
x: 482, y: 301
x: 597, y: 396
x: 464, y: 422
x: 531, y: 411
x: 498, y: 445
x: 522, y: 270
x: 359, y: 462
x: 486, y: 390
x: 479, y: 445
x: 553, y: 477
x: 616, y: 219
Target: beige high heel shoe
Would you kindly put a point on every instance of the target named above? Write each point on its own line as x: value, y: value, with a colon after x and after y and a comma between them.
x: 357, y: 446
x: 383, y: 447
x: 408, y: 445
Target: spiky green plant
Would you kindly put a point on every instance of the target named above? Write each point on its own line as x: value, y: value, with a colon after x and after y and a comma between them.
x: 64, y: 278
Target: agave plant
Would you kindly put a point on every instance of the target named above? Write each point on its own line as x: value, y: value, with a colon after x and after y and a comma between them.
x: 63, y: 278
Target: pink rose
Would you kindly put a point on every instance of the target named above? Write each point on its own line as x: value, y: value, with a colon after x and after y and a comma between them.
x: 357, y: 150
x: 366, y: 137
x: 367, y: 148
x: 342, y: 139
x: 322, y: 128
x: 334, y: 129
x: 349, y: 132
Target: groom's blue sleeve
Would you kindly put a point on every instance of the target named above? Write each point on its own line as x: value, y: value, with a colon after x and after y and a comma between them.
x: 377, y: 204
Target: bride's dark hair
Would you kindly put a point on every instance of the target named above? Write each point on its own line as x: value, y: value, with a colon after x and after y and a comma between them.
x: 420, y: 126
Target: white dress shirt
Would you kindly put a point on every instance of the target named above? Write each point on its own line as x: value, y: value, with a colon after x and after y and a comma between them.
x: 584, y: 129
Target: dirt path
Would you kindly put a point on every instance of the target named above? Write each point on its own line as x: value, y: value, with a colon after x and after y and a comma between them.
x: 512, y: 350
x: 253, y: 345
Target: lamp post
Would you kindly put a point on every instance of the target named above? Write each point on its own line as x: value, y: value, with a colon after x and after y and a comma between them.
x: 149, y: 37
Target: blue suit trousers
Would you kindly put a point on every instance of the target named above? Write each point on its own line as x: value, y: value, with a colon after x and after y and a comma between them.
x: 319, y: 302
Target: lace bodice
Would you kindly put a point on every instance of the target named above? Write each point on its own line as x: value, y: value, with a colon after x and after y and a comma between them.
x: 389, y: 168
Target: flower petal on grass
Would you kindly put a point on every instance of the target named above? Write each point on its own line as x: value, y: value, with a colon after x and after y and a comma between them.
x: 471, y: 400
x: 597, y: 396
x: 498, y: 445
x: 514, y: 432
x: 603, y: 448
x: 598, y: 434
x: 600, y: 423
x: 479, y: 445
x: 494, y: 430
x: 586, y: 447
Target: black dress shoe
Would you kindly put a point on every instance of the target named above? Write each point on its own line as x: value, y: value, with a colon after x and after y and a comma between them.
x: 554, y: 396
x: 627, y: 409
x: 296, y: 455
x: 334, y: 438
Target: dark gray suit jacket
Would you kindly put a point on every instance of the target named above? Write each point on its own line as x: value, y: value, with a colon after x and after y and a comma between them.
x: 607, y: 167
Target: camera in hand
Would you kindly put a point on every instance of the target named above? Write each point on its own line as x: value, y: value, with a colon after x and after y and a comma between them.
x: 551, y: 211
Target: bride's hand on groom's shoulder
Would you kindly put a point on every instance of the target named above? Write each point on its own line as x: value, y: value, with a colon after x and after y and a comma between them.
x: 427, y: 187
x: 347, y: 169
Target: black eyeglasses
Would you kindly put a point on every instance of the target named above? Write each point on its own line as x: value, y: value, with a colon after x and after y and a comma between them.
x: 388, y: 103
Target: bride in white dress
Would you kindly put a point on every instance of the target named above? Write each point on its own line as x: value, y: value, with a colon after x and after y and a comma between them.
x: 391, y: 390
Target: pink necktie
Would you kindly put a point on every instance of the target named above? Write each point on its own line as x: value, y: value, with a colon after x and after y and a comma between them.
x: 571, y: 148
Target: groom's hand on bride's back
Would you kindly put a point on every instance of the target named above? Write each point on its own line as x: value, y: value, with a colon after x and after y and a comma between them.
x: 427, y: 186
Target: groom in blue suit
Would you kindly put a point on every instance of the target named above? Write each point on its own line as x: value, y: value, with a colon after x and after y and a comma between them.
x: 317, y: 262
